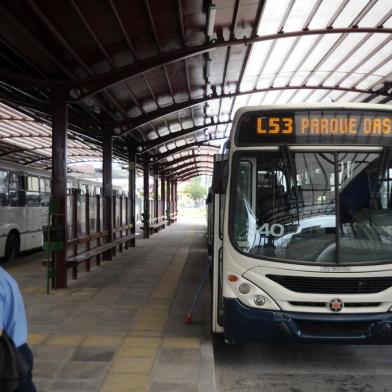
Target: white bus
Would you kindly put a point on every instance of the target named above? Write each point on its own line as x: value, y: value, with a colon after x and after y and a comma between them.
x: 24, y: 200
x: 302, y: 225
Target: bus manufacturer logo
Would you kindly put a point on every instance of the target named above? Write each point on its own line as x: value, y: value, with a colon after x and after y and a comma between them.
x: 325, y: 268
x: 335, y: 305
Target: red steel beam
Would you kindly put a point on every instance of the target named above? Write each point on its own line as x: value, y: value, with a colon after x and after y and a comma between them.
x: 95, y: 84
x: 192, y: 172
x: 175, y: 135
x: 98, y: 83
x: 185, y: 165
x: 136, y: 122
x: 183, y: 159
x: 195, y: 173
x: 161, y: 157
x: 179, y: 172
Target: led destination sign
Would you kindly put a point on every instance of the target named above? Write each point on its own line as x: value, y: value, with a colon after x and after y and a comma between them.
x: 324, y: 125
x: 334, y: 127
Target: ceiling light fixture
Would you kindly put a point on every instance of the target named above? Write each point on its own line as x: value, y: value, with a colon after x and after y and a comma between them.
x: 208, y: 68
x: 211, y: 19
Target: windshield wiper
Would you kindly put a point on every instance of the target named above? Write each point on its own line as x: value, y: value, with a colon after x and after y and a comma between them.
x: 292, y: 174
x: 375, y: 192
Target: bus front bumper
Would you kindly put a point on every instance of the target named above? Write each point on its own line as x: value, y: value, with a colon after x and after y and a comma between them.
x: 244, y: 324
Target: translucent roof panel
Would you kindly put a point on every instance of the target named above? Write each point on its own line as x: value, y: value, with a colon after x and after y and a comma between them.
x: 239, y: 102
x: 376, y: 13
x: 274, y: 62
x: 349, y: 12
x: 301, y: 9
x: 295, y: 59
x: 324, y: 14
x: 25, y: 140
x: 272, y: 17
x: 258, y: 55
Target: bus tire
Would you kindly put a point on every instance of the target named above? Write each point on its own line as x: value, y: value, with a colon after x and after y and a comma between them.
x: 12, y: 247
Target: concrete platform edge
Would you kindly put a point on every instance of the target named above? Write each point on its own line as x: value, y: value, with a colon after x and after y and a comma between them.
x: 207, y: 368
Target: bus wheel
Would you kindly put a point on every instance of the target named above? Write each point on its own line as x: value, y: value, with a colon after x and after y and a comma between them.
x: 12, y: 247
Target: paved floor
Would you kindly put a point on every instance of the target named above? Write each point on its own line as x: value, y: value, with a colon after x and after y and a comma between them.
x: 302, y: 368
x: 121, y: 326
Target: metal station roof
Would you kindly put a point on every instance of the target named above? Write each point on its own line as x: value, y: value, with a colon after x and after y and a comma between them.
x: 24, y: 140
x: 169, y: 75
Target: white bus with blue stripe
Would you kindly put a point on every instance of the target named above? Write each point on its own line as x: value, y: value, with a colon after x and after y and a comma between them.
x: 302, y: 225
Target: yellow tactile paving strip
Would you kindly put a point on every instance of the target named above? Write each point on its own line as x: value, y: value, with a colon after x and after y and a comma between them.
x: 131, y: 367
x: 136, y: 353
x: 65, y: 340
x: 82, y: 291
x: 123, y: 382
x: 37, y: 338
x: 101, y: 341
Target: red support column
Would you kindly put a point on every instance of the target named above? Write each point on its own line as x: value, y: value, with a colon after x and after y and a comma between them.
x: 98, y: 214
x: 121, y: 223
x: 114, y: 220
x: 146, y: 199
x: 87, y: 215
x: 74, y: 223
x: 132, y: 190
x: 163, y: 195
x: 107, y: 188
x: 175, y: 198
x: 156, y: 208
x: 59, y: 179
x: 168, y: 200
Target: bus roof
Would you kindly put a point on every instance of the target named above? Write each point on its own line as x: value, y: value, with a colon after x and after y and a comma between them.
x: 318, y: 105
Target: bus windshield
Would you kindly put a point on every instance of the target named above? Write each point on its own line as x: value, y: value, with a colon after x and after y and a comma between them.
x: 313, y: 207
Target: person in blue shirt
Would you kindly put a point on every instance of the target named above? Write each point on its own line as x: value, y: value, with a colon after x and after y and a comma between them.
x: 13, y: 322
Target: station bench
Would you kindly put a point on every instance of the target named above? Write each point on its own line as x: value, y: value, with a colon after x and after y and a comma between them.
x: 85, y: 256
x: 155, y: 226
x: 126, y: 238
x: 74, y: 261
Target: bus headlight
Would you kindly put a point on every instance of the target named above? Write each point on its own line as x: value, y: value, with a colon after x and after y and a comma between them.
x: 259, y: 300
x: 249, y: 294
x: 244, y: 288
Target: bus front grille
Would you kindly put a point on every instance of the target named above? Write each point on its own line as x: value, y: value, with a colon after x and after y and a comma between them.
x: 323, y: 328
x: 346, y: 304
x: 315, y: 285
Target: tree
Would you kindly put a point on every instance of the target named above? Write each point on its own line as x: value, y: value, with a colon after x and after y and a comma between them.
x: 196, y: 190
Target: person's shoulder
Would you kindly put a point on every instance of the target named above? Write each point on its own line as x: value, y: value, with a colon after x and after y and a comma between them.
x: 4, y: 275
x: 6, y: 280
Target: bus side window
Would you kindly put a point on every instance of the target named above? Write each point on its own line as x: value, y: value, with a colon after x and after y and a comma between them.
x: 17, y: 190
x: 45, y: 191
x: 3, y: 188
x: 32, y: 194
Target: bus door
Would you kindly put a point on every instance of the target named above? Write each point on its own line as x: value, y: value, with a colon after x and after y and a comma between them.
x: 17, y: 200
x: 217, y: 210
x: 217, y: 262
x: 34, y: 221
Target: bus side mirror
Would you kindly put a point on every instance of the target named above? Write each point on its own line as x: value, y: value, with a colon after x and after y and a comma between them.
x: 219, y: 177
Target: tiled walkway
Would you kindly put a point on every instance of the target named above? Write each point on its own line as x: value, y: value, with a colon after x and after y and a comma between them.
x: 121, y: 326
